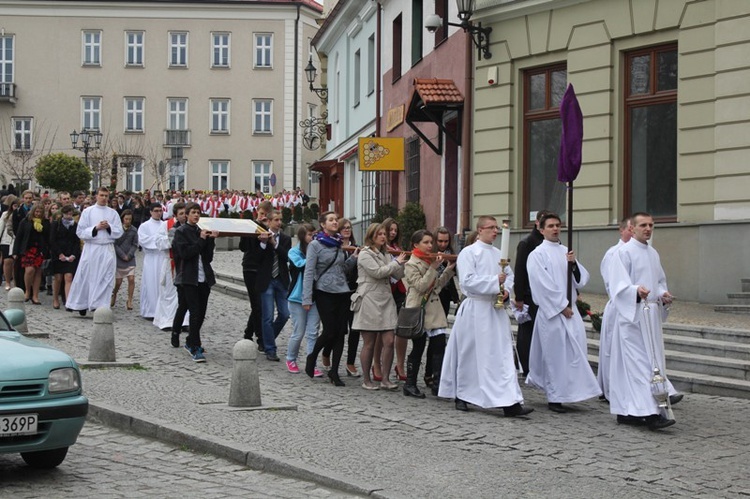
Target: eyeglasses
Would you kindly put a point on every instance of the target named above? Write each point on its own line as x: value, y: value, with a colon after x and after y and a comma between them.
x: 491, y: 227
x: 346, y: 228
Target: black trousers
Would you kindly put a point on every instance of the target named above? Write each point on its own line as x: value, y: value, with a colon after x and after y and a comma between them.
x: 436, y: 347
x: 196, y: 298
x: 523, y: 339
x: 333, y: 309
x: 255, y: 319
x: 352, y: 343
x: 179, y: 315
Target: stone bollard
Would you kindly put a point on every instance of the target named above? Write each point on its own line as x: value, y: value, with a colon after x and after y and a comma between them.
x: 245, y: 388
x: 16, y: 299
x: 102, y: 347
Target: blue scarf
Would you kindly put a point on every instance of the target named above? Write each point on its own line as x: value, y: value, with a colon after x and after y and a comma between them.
x: 333, y: 241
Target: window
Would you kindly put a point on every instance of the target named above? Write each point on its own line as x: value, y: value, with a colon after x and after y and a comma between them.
x: 177, y: 171
x: 178, y: 49
x: 6, y: 66
x: 412, y: 170
x: 396, y: 48
x: 543, y: 91
x: 177, y: 109
x: 92, y: 48
x: 177, y: 133
x: 220, y: 50
x: 263, y: 50
x: 219, y: 115
x: 134, y: 114
x: 262, y: 176
x: 134, y: 179
x: 134, y: 48
x: 219, y: 175
x: 91, y: 113
x: 357, y: 77
x: 262, y: 122
x: 22, y: 134
x: 651, y: 132
x: 441, y: 9
x: 371, y: 64
x: 416, y: 31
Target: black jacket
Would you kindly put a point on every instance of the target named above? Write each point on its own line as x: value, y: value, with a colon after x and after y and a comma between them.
x: 266, y: 263
x: 64, y: 241
x: 521, y: 286
x: 252, y: 252
x: 187, y: 247
x: 26, y: 237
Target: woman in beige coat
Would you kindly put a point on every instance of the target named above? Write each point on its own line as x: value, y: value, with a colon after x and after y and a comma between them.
x: 424, y: 282
x: 373, y: 305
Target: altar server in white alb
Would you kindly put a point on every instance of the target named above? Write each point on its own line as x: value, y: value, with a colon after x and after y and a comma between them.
x: 602, y: 373
x: 98, y: 227
x: 167, y: 304
x: 478, y: 366
x: 153, y: 238
x: 636, y: 278
x: 558, y: 362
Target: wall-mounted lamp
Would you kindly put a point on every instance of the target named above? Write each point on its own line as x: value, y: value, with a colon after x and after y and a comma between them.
x: 479, y: 35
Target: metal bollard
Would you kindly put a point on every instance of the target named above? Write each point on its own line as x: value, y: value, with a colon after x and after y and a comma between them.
x: 245, y: 388
x: 16, y: 299
x: 102, y: 347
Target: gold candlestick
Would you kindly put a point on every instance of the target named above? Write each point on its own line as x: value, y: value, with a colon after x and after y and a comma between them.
x: 499, y: 303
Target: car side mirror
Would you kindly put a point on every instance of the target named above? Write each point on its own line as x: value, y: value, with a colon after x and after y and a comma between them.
x: 15, y: 317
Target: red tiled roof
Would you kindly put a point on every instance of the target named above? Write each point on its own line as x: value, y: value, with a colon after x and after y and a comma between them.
x: 437, y: 91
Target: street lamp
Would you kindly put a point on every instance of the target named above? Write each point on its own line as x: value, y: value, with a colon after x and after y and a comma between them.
x: 310, y: 73
x: 479, y: 35
x: 87, y: 145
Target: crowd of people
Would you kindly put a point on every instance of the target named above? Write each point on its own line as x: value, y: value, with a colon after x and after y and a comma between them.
x: 338, y: 293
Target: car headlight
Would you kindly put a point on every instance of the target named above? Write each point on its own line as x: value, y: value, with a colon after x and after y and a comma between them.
x: 64, y: 380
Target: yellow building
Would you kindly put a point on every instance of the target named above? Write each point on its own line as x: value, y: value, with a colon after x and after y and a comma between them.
x: 664, y: 87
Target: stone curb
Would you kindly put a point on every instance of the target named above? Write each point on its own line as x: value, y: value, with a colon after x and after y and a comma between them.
x: 150, y: 427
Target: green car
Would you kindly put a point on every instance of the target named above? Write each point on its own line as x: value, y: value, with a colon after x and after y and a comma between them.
x: 42, y: 407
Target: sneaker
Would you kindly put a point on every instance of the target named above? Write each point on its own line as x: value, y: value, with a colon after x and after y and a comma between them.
x: 198, y: 355
x: 292, y: 367
x: 317, y: 373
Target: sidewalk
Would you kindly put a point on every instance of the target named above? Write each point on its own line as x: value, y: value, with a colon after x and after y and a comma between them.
x: 388, y: 445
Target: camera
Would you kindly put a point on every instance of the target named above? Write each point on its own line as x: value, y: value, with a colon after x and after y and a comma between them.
x: 433, y: 23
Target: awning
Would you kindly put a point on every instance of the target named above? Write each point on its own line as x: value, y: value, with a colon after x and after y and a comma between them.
x: 431, y: 99
x: 324, y: 166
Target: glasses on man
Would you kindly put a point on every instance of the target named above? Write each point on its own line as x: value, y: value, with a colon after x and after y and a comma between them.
x: 490, y: 227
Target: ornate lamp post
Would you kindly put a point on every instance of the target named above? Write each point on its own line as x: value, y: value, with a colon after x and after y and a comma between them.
x: 91, y: 140
x: 315, y: 129
x: 479, y: 35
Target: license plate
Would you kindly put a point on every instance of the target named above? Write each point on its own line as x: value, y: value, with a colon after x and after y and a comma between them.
x: 12, y: 425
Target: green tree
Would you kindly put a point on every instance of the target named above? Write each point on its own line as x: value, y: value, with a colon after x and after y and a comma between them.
x: 62, y: 172
x: 384, y: 211
x: 410, y: 220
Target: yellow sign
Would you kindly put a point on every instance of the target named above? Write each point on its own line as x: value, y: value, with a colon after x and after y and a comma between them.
x: 394, y: 117
x: 380, y: 153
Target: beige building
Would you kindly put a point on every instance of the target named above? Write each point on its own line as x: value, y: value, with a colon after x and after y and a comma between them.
x: 187, y: 95
x: 665, y: 93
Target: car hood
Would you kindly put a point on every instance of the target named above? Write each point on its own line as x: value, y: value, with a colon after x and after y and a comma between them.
x: 22, y: 358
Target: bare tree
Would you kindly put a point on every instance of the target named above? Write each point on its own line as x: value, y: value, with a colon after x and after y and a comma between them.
x: 17, y: 158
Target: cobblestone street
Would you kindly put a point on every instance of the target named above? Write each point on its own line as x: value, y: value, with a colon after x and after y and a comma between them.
x: 107, y: 463
x: 393, y: 446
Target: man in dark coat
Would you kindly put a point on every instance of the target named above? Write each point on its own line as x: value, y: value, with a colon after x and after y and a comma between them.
x: 193, y: 250
x: 272, y: 282
x: 522, y: 290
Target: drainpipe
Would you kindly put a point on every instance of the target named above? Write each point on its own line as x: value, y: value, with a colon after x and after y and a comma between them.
x: 296, y: 97
x: 466, y: 136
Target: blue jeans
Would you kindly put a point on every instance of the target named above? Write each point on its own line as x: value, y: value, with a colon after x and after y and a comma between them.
x: 275, y: 293
x: 304, y: 323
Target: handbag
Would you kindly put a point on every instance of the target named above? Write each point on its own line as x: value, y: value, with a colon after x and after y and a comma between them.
x: 410, y: 323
